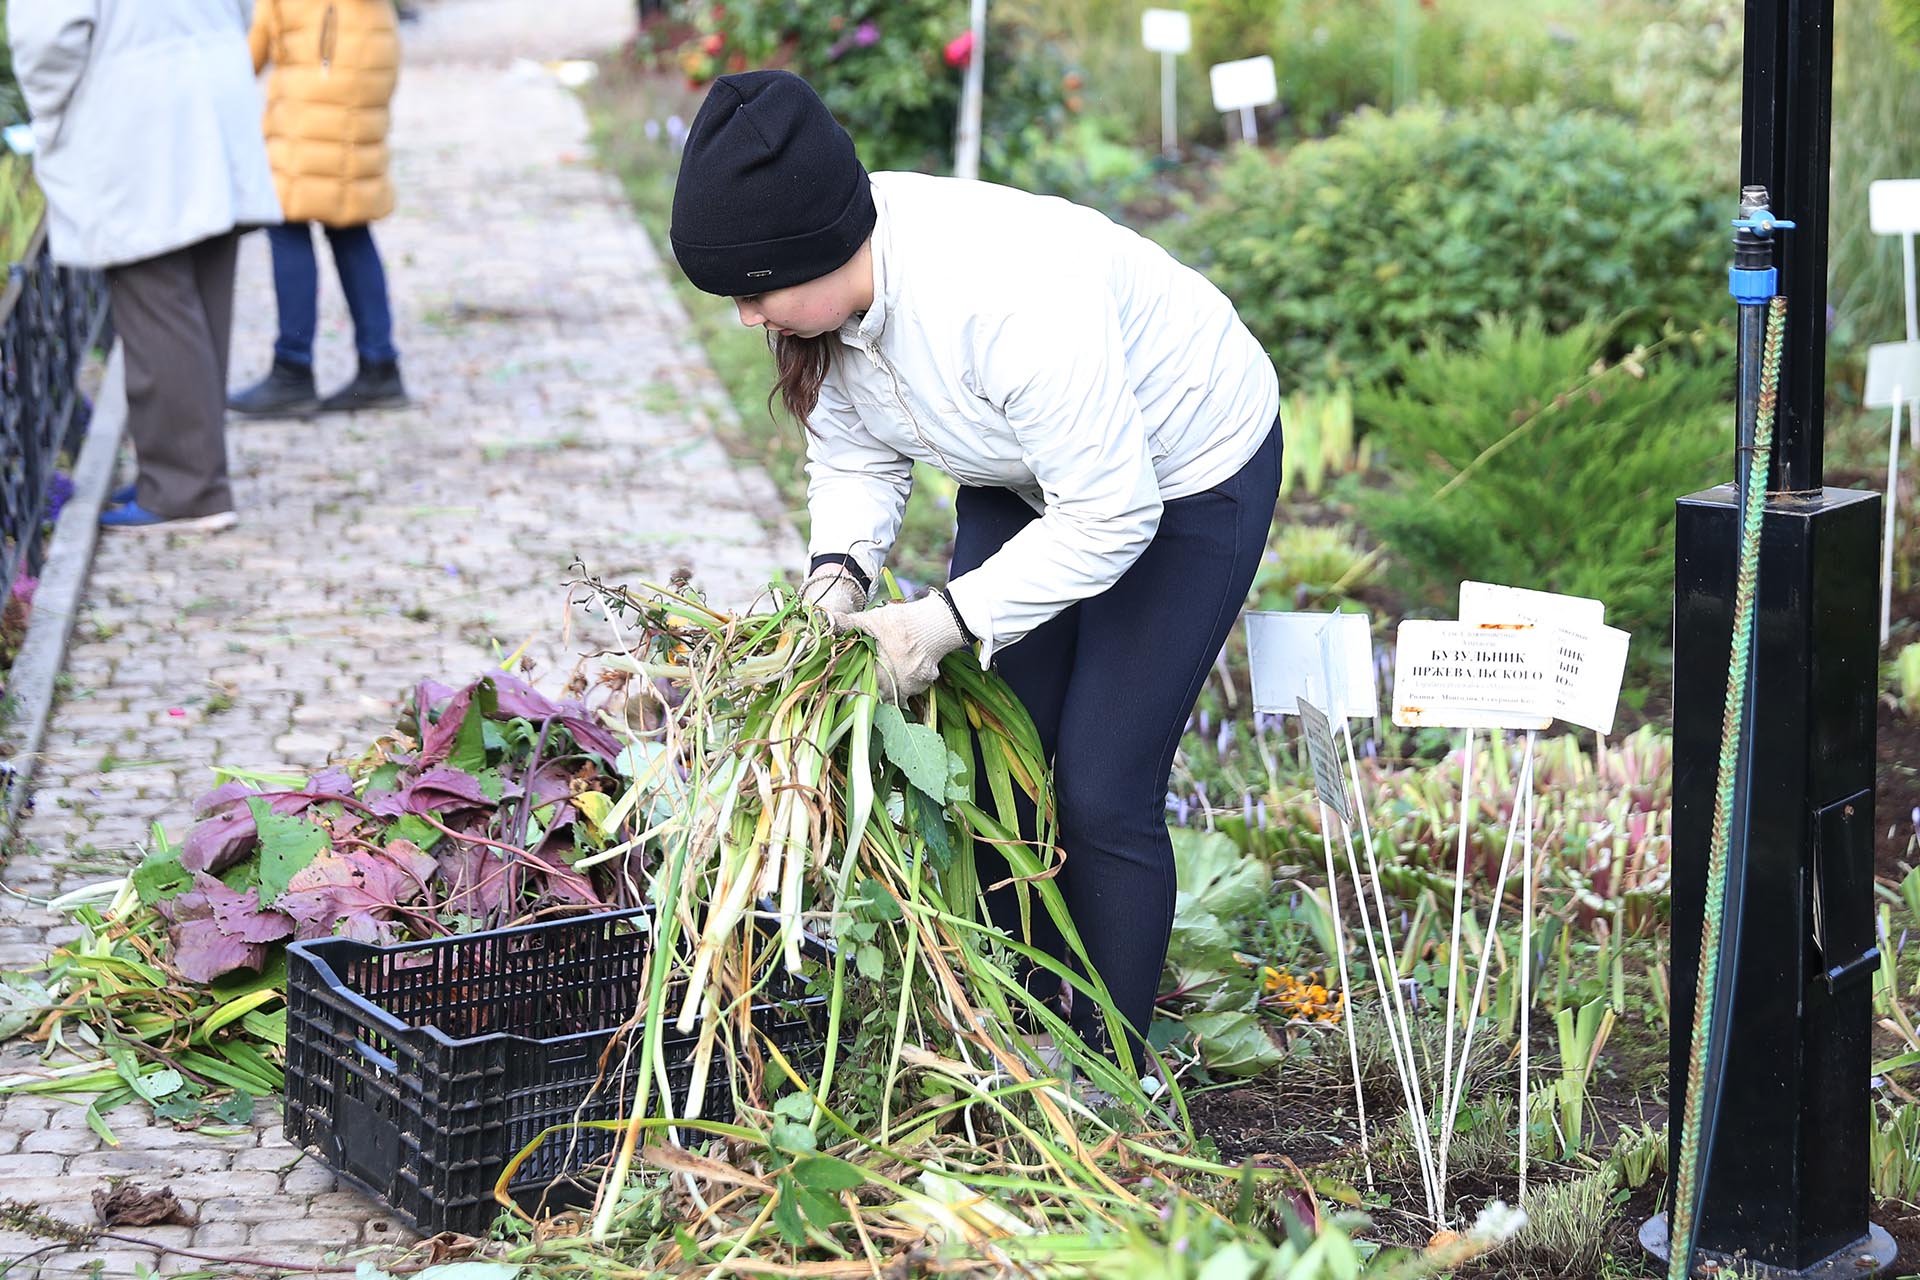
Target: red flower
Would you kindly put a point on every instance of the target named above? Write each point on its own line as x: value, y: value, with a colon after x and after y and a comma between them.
x: 960, y: 49
x: 714, y: 43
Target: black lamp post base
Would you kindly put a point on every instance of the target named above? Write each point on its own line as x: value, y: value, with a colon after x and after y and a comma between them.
x: 1871, y: 1255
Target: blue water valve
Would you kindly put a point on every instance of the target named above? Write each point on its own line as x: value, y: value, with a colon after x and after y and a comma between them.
x: 1763, y: 223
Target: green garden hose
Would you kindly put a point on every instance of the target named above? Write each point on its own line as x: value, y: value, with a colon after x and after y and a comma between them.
x: 1733, y: 727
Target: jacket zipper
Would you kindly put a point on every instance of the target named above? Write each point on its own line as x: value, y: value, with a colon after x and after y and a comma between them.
x: 900, y: 399
x: 327, y: 34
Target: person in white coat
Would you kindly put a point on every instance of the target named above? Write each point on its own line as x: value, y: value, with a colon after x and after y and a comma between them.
x: 146, y: 127
x: 1112, y: 423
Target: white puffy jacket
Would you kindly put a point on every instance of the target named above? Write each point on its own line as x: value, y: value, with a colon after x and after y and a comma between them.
x: 1027, y: 343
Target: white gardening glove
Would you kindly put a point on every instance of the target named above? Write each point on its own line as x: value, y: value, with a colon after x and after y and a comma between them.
x: 910, y: 639
x: 832, y: 589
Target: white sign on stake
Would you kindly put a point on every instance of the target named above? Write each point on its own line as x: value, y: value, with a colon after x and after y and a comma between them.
x: 1893, y: 209
x: 1329, y: 784
x: 1893, y: 380
x: 1284, y: 656
x: 1243, y: 85
x: 1893, y: 206
x: 1167, y: 32
x: 1590, y: 658
x: 1462, y: 675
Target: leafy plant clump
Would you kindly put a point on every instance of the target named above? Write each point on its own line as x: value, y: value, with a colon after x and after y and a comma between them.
x: 1491, y: 450
x: 1408, y: 228
x: 490, y: 804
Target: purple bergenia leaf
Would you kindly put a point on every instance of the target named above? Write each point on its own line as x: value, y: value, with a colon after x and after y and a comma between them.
x: 332, y: 780
x: 218, y: 842
x: 442, y: 788
x: 475, y: 876
x: 332, y: 893
x: 217, y: 930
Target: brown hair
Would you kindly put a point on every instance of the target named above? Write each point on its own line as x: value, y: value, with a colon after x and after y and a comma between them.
x: 801, y: 366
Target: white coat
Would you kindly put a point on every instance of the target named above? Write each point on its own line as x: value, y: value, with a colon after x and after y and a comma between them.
x: 1027, y: 343
x: 146, y: 124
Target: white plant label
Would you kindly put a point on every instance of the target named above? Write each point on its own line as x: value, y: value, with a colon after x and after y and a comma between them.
x: 1893, y: 372
x: 1166, y: 30
x: 1461, y: 675
x: 1893, y: 206
x: 1243, y: 84
x: 1328, y: 782
x: 1590, y: 658
x: 1588, y: 669
x: 1286, y: 659
x: 1490, y: 602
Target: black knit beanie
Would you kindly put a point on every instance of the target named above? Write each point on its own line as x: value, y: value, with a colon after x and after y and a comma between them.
x: 770, y: 191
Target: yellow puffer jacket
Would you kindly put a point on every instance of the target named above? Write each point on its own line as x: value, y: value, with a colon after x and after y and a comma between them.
x: 335, y: 63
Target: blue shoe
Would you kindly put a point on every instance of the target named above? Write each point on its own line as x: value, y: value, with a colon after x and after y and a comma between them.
x: 123, y: 495
x: 131, y: 515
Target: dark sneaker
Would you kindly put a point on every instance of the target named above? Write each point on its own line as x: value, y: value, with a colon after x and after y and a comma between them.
x: 376, y: 385
x: 131, y: 515
x: 286, y: 392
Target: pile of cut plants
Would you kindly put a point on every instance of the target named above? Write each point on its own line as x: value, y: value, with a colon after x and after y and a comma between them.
x: 741, y: 777
x: 486, y: 806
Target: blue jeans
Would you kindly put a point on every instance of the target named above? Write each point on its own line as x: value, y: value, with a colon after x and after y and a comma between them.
x: 296, y: 286
x: 1109, y: 684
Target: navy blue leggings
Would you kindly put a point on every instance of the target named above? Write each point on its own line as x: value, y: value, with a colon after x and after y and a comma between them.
x: 1110, y: 684
x: 296, y: 286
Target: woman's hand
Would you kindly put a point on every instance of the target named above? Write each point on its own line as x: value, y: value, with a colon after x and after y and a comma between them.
x: 832, y: 589
x: 910, y: 640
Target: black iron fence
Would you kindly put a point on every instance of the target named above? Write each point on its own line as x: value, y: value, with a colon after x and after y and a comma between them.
x: 49, y: 317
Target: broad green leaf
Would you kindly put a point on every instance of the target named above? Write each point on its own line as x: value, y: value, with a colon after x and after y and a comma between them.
x: 236, y: 1109
x: 287, y: 844
x: 930, y: 824
x: 1234, y: 1043
x: 826, y: 1173
x: 180, y: 1106
x: 787, y: 1217
x: 469, y: 753
x: 822, y: 1211
x: 423, y: 834
x: 160, y: 876
x: 870, y: 961
x: 1212, y: 869
x: 797, y: 1107
x: 880, y: 903
x: 919, y: 752
x: 788, y: 1136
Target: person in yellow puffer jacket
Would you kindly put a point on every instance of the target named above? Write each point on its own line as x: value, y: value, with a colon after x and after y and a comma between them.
x: 335, y: 64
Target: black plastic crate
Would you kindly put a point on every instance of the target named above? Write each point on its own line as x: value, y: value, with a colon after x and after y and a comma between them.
x: 417, y: 1071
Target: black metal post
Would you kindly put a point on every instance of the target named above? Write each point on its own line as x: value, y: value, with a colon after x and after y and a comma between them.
x: 1785, y: 140
x: 1786, y: 1186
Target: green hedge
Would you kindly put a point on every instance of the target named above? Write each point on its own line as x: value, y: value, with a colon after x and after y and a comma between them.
x: 1578, y: 466
x: 1409, y: 227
